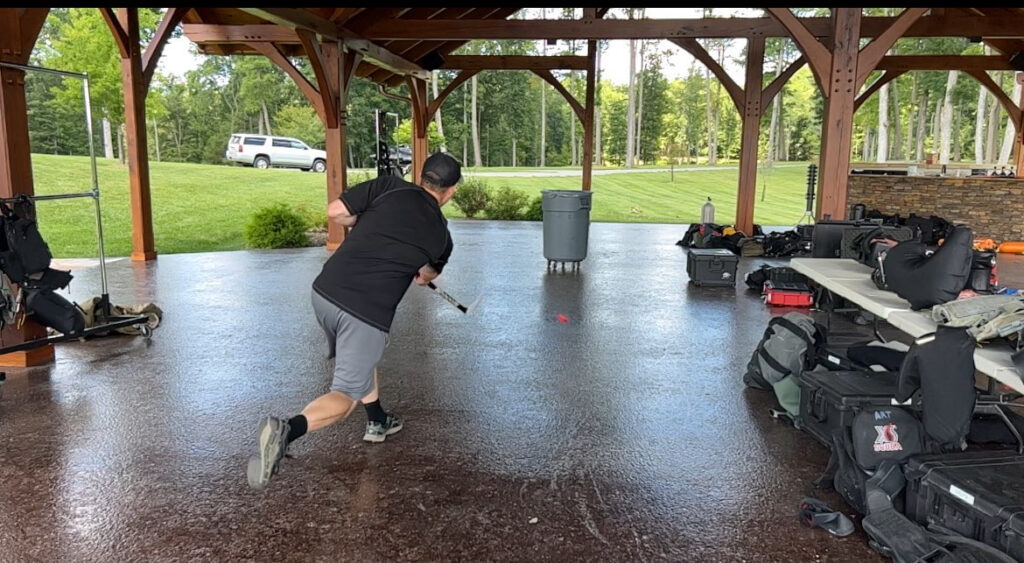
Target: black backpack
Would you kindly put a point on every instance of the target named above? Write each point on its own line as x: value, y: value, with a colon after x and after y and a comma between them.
x: 23, y: 252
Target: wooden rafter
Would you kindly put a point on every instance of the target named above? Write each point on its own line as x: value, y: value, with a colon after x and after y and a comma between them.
x: 944, y: 62
x: 156, y: 45
x: 32, y: 20
x: 697, y: 50
x: 309, y: 91
x: 119, y: 33
x: 874, y: 51
x: 601, y: 12
x: 342, y: 15
x: 515, y: 62
x: 214, y: 33
x: 435, y: 104
x: 316, y: 60
x: 886, y: 77
x: 1008, y: 104
x: 770, y: 91
x: 573, y: 102
x: 814, y: 52
x: 298, y: 18
x: 467, y: 30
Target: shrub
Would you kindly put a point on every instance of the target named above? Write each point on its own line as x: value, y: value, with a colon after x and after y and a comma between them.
x: 471, y: 197
x: 315, y: 219
x: 536, y: 210
x: 277, y: 226
x: 506, y: 204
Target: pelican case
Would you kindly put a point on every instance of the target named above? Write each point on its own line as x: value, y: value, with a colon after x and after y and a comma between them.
x: 830, y: 399
x: 711, y: 266
x: 977, y: 494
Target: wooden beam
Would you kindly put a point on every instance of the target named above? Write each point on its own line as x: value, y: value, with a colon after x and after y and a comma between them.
x: 573, y: 103
x: 120, y: 36
x: 467, y: 30
x: 420, y: 121
x: 324, y: 86
x: 1008, y: 104
x: 514, y: 62
x: 211, y: 33
x: 944, y: 62
x: 156, y: 45
x: 772, y: 90
x: 601, y: 12
x: 342, y: 15
x: 886, y: 77
x: 32, y: 20
x: 750, y: 114
x: 298, y: 18
x: 879, y: 46
x: 588, y: 116
x: 1018, y: 158
x: 816, y: 55
x: 309, y: 91
x: 837, y: 123
x: 436, y: 103
x: 699, y: 53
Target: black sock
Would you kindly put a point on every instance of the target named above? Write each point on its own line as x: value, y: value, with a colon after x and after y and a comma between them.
x: 375, y: 413
x: 297, y: 426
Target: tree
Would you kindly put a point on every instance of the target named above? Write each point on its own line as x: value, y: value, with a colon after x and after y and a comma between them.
x: 301, y: 122
x: 946, y: 119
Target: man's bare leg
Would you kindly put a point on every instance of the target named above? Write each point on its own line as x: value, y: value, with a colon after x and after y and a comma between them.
x: 327, y: 409
x: 379, y: 423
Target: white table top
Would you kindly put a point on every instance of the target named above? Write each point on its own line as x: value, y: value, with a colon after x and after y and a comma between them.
x: 851, y: 280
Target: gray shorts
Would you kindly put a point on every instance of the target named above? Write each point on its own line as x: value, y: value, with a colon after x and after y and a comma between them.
x: 355, y: 346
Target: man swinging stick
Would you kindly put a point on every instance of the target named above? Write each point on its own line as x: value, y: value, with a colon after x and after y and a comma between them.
x: 399, y: 236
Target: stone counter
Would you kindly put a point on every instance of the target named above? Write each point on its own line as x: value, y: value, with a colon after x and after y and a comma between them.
x: 992, y: 207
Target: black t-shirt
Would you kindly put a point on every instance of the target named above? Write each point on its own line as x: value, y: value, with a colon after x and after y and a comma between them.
x: 399, y: 228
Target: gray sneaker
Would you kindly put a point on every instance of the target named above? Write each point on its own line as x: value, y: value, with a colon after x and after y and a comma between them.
x: 377, y: 432
x: 273, y: 443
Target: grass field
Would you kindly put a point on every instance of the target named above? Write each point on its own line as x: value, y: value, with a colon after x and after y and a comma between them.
x: 198, y: 208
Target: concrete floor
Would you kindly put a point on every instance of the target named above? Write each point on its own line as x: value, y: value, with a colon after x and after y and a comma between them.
x: 625, y: 434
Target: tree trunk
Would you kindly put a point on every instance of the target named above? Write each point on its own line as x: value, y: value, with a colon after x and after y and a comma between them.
x: 108, y: 143
x: 911, y: 128
x: 936, y: 133
x: 640, y: 101
x: 631, y: 105
x: 993, y: 131
x: 946, y: 120
x: 120, y: 144
x: 922, y: 109
x: 896, y: 147
x: 1009, y: 133
x: 957, y: 141
x: 866, y: 149
x: 266, y: 116
x: 597, y: 106
x: 437, y: 115
x: 477, y: 162
x: 514, y: 161
x: 883, y: 124
x: 543, y: 105
x: 465, y: 125
x: 773, y: 139
x: 979, y: 126
x: 259, y: 125
x: 156, y: 140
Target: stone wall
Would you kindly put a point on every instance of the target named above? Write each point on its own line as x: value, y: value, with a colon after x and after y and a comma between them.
x: 992, y: 207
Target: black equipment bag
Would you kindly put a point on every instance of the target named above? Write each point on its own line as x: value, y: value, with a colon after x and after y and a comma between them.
x: 756, y: 279
x: 926, y: 280
x: 52, y: 310
x: 23, y: 252
x: 829, y: 400
x: 978, y: 494
x: 942, y: 370
x: 932, y: 229
x: 861, y: 244
x: 781, y: 245
x: 827, y: 237
x: 982, y: 267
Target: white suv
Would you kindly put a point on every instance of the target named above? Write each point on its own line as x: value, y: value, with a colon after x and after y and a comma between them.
x: 264, y: 151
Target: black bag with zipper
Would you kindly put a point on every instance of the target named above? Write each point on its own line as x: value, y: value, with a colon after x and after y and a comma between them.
x: 52, y: 310
x: 23, y: 252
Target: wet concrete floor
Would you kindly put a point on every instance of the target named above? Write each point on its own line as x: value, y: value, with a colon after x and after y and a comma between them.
x: 623, y: 434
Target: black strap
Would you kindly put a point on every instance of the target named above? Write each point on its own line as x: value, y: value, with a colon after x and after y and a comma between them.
x: 794, y: 328
x: 773, y: 363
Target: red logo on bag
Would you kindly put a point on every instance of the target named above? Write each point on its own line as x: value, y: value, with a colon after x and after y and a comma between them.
x: 888, y: 440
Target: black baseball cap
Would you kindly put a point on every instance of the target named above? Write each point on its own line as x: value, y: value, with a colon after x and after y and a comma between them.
x: 442, y: 169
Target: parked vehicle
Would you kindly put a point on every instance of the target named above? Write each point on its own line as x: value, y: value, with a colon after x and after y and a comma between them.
x: 403, y: 155
x: 264, y: 151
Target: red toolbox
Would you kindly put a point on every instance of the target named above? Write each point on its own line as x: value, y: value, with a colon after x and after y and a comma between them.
x: 788, y: 294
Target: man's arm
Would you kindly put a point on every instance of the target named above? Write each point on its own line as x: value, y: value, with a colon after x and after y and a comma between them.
x: 429, y: 272
x: 338, y: 212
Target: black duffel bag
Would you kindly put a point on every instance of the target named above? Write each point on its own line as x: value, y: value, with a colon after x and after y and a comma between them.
x: 23, y: 252
x: 52, y: 310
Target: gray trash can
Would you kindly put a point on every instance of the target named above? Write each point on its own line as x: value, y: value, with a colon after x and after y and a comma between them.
x: 566, y: 224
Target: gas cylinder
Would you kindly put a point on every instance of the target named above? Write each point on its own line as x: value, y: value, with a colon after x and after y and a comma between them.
x: 707, y: 212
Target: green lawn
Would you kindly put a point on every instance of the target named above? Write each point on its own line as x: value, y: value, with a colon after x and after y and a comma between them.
x: 199, y: 208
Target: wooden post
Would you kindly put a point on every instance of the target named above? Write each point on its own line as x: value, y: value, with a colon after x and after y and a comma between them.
x: 588, y: 116
x: 16, y: 41
x: 837, y: 125
x: 420, y: 121
x: 751, y: 117
x: 134, y: 87
x: 1018, y: 160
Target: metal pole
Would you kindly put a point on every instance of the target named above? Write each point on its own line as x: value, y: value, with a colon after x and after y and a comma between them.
x: 105, y: 303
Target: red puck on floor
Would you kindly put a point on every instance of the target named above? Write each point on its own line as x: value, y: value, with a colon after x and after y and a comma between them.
x: 562, y: 318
